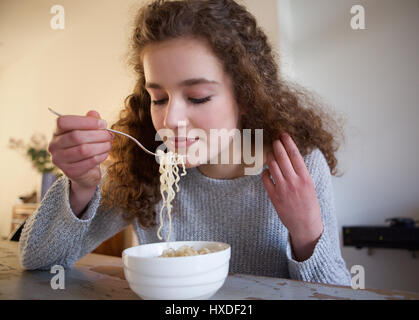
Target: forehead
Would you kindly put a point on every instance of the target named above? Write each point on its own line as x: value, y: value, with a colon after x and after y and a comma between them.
x: 176, y: 60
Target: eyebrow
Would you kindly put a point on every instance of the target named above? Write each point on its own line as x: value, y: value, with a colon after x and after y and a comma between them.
x: 185, y: 83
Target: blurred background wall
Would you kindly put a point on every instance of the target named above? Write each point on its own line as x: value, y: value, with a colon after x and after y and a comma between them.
x: 74, y: 70
x: 369, y: 77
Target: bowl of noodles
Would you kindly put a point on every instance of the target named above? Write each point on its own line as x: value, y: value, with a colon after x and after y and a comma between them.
x: 180, y: 270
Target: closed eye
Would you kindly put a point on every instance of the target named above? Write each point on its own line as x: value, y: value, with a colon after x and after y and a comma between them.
x: 194, y: 101
x: 198, y: 101
x: 162, y: 101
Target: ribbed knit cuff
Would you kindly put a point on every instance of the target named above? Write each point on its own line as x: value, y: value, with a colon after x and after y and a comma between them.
x: 78, y: 226
x: 91, y: 207
x: 53, y: 234
x: 317, y: 268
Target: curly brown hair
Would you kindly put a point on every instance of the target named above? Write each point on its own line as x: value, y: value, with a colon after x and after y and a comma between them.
x: 268, y: 101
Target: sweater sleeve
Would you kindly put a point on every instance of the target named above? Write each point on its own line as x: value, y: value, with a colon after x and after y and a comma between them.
x: 54, y: 235
x: 326, y: 264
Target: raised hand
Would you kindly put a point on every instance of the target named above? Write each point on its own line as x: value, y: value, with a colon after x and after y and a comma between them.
x: 293, y: 195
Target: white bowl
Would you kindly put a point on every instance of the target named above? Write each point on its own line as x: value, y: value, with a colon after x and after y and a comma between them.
x: 175, y: 278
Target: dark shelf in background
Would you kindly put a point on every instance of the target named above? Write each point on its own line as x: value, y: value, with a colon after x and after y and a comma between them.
x: 381, y: 237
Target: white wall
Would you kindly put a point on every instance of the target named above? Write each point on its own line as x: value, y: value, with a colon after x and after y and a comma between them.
x: 371, y: 77
x: 73, y: 70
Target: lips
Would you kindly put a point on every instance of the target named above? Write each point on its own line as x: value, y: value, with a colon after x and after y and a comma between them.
x: 182, y: 141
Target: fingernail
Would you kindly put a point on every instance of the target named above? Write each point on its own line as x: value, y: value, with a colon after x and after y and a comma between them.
x: 102, y: 124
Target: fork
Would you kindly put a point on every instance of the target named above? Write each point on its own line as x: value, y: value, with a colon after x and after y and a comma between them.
x: 115, y: 131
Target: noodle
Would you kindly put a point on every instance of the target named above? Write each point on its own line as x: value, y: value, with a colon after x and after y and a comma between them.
x: 185, y: 251
x: 169, y: 174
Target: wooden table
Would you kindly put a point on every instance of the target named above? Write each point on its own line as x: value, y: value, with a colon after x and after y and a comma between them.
x: 98, y: 276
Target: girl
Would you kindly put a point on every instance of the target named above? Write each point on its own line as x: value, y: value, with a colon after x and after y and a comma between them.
x: 200, y: 64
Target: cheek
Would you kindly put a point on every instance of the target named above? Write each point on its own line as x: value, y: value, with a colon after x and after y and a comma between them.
x: 157, y: 119
x: 228, y: 113
x: 220, y: 114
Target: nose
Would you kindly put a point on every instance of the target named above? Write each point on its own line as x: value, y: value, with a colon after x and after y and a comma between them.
x: 175, y: 114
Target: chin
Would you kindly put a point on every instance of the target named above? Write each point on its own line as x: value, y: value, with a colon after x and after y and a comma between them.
x: 193, y: 164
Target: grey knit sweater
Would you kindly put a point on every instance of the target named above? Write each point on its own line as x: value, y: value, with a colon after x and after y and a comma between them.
x: 236, y: 211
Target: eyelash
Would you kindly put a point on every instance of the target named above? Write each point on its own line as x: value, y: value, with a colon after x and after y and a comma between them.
x: 194, y: 101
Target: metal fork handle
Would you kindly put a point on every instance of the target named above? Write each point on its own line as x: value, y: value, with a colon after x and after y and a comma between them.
x: 115, y: 131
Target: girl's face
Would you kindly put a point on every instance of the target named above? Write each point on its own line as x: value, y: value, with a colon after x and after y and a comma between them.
x: 191, y: 94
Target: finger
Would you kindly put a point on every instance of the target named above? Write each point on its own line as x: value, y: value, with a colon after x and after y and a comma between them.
x: 274, y: 169
x: 268, y: 183
x: 294, y: 155
x: 78, y: 137
x: 93, y: 114
x: 283, y: 160
x: 77, y: 169
x: 81, y: 152
x: 69, y: 123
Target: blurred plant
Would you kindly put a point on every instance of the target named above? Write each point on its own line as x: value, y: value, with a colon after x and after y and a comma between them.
x: 37, y: 152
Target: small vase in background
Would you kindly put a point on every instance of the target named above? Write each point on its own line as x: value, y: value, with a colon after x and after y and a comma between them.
x: 48, y: 179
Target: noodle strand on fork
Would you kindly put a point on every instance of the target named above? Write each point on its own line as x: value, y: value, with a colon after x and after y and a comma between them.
x: 169, y: 175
